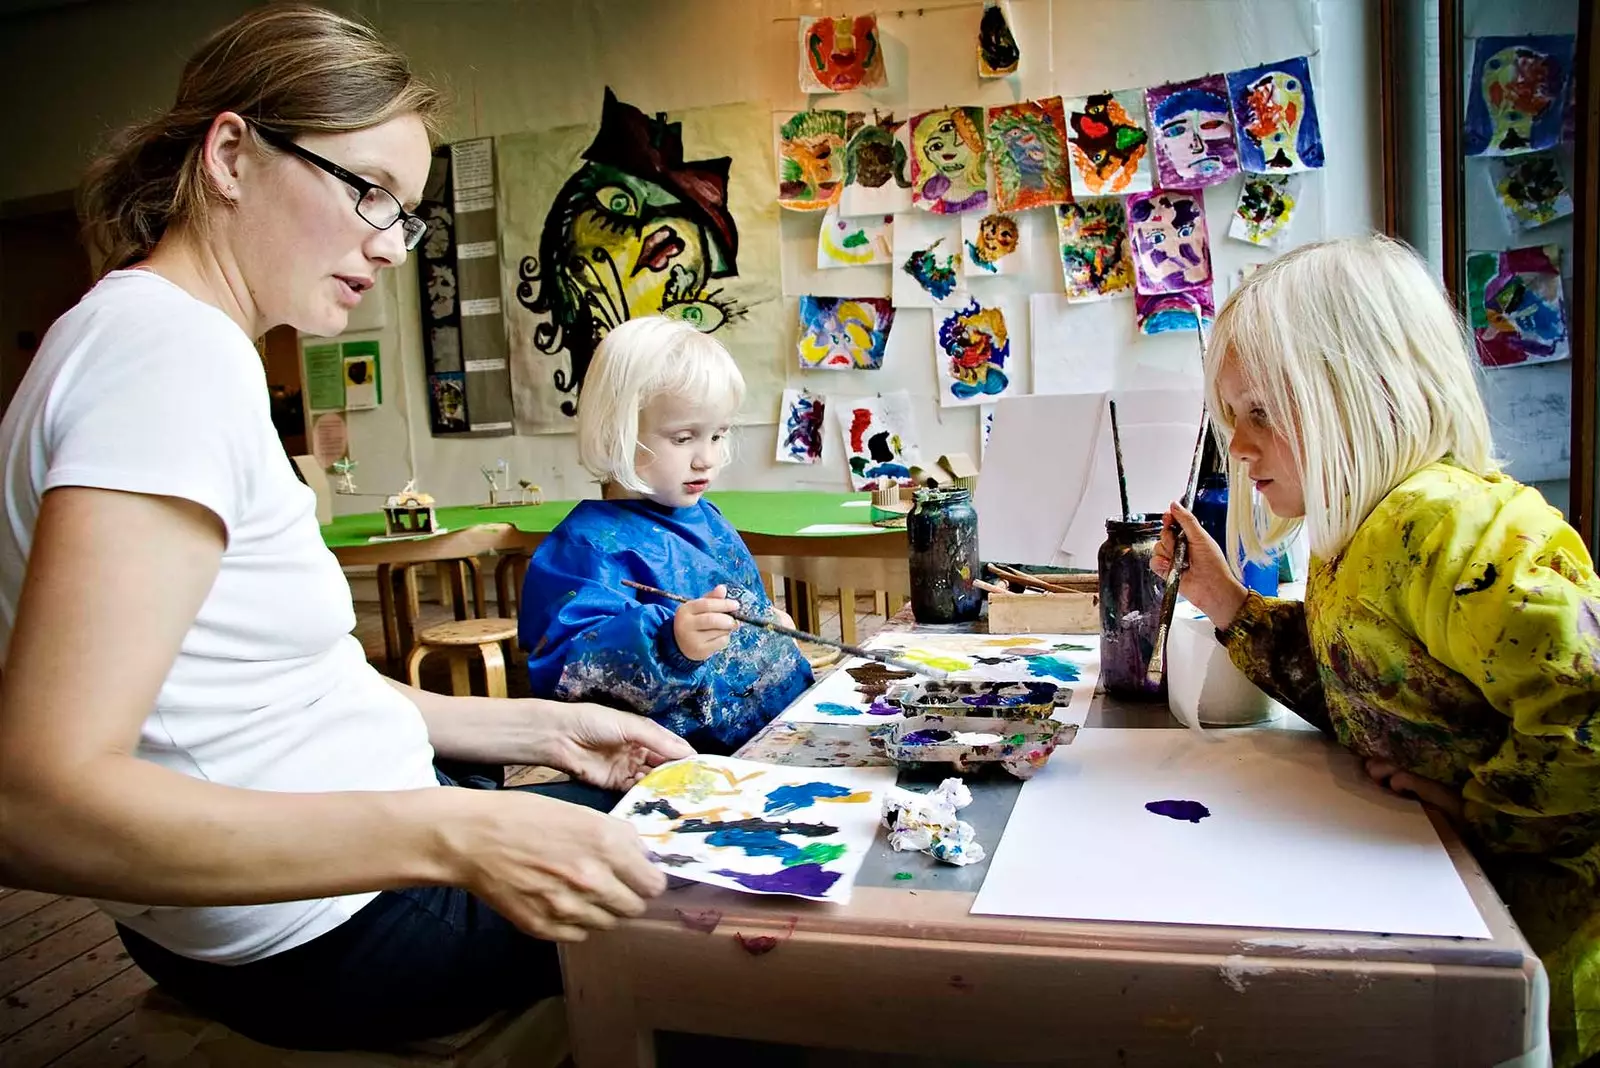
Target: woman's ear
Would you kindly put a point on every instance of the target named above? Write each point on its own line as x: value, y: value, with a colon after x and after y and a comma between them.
x: 225, y: 153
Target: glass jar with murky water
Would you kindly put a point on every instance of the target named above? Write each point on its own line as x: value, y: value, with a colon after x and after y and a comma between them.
x: 1130, y: 607
x: 943, y: 533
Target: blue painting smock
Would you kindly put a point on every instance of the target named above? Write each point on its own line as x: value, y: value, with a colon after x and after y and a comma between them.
x: 590, y: 638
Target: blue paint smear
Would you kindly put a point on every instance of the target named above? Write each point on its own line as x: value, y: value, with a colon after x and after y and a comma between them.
x: 755, y: 843
x: 1193, y: 811
x: 833, y: 708
x: 802, y: 795
x: 807, y: 880
x: 1054, y: 668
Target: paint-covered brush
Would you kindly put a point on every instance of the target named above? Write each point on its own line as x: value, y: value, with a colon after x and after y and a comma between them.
x: 1122, y: 474
x: 854, y: 650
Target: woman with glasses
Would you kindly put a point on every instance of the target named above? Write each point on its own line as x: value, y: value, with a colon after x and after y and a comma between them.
x: 188, y: 731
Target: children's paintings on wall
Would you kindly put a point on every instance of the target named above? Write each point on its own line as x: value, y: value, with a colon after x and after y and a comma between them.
x: 1515, y: 305
x: 1110, y: 149
x: 1193, y: 132
x: 1171, y: 251
x: 989, y: 244
x: 1028, y: 154
x: 800, y: 422
x: 811, y: 158
x: 844, y: 333
x: 1530, y: 190
x: 758, y: 828
x: 927, y: 261
x: 838, y: 55
x: 949, y: 166
x: 877, y: 169
x: 1275, y: 114
x: 854, y: 240
x: 1095, y: 260
x: 972, y: 353
x: 998, y: 54
x: 1516, y: 95
x: 1161, y: 313
x: 880, y: 439
x: 1265, y: 209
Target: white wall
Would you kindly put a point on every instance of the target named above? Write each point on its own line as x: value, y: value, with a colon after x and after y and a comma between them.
x: 533, y: 65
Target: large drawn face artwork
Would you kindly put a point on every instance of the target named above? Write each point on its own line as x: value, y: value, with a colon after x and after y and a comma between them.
x: 1517, y: 95
x: 840, y: 54
x: 635, y: 231
x: 1170, y: 250
x: 1193, y: 132
x: 1028, y: 154
x: 947, y: 160
x: 811, y: 171
x: 1277, y: 115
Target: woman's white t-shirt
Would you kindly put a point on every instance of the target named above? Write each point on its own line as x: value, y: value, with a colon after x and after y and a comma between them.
x: 143, y: 388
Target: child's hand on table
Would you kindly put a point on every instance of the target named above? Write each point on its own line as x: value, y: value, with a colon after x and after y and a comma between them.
x: 702, y: 626
x: 1404, y: 783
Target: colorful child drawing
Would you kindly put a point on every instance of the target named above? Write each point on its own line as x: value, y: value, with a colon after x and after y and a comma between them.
x: 995, y: 238
x: 1193, y: 130
x: 1094, y: 248
x: 1276, y: 116
x: 1160, y: 313
x: 811, y: 170
x: 1028, y: 154
x: 1110, y: 148
x: 998, y: 54
x: 1265, y: 209
x: 875, y: 169
x: 935, y: 270
x: 853, y: 240
x: 1514, y: 99
x: 948, y: 161
x: 1514, y: 301
x: 975, y: 348
x: 879, y: 439
x: 840, y: 54
x: 800, y: 427
x: 1530, y: 190
x: 1170, y: 249
x: 844, y: 333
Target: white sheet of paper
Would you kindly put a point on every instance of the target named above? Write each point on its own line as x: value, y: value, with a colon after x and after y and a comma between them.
x: 856, y: 504
x: 840, y: 528
x: 1297, y: 838
x: 1075, y: 346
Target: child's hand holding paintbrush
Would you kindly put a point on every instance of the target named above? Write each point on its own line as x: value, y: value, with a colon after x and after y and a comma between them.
x: 1206, y: 579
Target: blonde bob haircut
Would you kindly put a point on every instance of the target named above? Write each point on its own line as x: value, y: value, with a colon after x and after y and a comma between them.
x: 638, y: 361
x: 1353, y: 347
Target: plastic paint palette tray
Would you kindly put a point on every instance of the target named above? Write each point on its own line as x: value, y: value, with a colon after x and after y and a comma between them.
x: 969, y: 743
x: 980, y: 697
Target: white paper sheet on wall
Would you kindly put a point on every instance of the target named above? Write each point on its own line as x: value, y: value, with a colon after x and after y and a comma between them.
x: 1295, y: 837
x: 1075, y: 346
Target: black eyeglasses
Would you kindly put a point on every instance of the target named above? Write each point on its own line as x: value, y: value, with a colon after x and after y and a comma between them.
x: 377, y: 207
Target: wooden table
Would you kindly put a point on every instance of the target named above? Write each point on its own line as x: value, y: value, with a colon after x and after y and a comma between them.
x: 904, y: 968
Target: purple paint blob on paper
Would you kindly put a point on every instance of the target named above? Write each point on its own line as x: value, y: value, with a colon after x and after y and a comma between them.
x: 806, y: 880
x: 882, y: 708
x: 1193, y: 811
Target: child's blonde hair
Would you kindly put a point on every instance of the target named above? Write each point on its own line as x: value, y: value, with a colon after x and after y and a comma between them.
x: 1353, y: 348
x: 638, y: 361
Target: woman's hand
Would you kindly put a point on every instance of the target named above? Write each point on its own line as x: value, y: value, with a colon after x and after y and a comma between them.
x: 1416, y: 787
x: 608, y: 748
x: 702, y: 626
x: 1207, y: 581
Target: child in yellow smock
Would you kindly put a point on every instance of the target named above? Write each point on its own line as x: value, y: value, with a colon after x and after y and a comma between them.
x: 1450, y: 633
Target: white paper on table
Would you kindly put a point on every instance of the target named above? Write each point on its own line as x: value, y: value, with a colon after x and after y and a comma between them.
x: 856, y: 504
x: 1298, y: 837
x: 840, y: 528
x: 710, y: 792
x: 1075, y: 346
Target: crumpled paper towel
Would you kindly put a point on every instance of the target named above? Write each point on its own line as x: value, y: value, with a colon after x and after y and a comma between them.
x: 928, y: 824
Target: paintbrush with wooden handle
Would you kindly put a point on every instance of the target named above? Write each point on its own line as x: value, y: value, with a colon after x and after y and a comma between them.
x: 854, y: 650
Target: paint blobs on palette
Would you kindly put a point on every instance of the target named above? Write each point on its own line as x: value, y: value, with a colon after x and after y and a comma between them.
x: 932, y: 736
x: 1190, y: 811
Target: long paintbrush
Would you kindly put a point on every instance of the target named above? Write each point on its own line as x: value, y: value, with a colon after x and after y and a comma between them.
x: 854, y: 650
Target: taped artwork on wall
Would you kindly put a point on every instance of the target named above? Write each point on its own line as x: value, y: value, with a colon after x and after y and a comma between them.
x: 1530, y: 190
x: 1171, y: 251
x: 447, y: 400
x: 1193, y: 132
x: 844, y: 333
x: 927, y: 261
x: 1516, y: 94
x: 811, y: 158
x: 800, y: 421
x: 854, y: 240
x: 877, y: 168
x: 1095, y: 260
x: 1265, y: 209
x: 637, y: 215
x: 1160, y: 313
x: 880, y: 439
x: 972, y: 354
x: 1275, y: 114
x: 998, y: 54
x: 1028, y: 154
x: 840, y: 54
x: 989, y: 244
x: 1515, y: 305
x: 948, y: 161
x: 1110, y: 147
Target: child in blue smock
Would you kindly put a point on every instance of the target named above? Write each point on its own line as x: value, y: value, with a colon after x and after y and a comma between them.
x: 653, y: 425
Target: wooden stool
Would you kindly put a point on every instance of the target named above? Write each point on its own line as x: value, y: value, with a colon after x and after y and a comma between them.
x: 171, y: 1036
x: 455, y: 640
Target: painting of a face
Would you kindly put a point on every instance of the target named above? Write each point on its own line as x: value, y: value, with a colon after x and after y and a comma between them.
x: 1109, y: 145
x: 839, y: 333
x: 945, y: 149
x: 1518, y: 96
x: 1193, y: 132
x: 1277, y: 117
x: 976, y: 346
x: 840, y: 54
x: 997, y: 236
x: 812, y: 168
x: 1169, y: 242
x: 1276, y: 104
x: 1515, y: 85
x: 1028, y: 152
x: 948, y: 158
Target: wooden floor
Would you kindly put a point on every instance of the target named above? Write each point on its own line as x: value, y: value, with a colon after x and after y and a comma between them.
x: 67, y: 989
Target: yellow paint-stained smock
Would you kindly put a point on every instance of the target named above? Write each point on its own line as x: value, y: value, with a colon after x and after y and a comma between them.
x: 1458, y: 637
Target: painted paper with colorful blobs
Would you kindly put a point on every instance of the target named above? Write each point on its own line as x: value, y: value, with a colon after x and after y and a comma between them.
x: 758, y: 828
x: 998, y: 54
x: 949, y: 164
x: 1162, y: 313
x: 972, y: 354
x: 1028, y: 154
x: 811, y: 158
x: 843, y: 333
x: 1095, y: 259
x: 838, y: 55
x: 880, y: 439
x: 1515, y: 306
x: 800, y: 422
x: 1275, y: 117
x: 928, y: 271
x: 1530, y: 190
x: 877, y: 168
x: 1266, y: 208
x: 989, y: 245
x: 1191, y: 128
x: 854, y: 240
x: 1110, y: 147
x: 1516, y: 94
x: 858, y: 691
x: 1171, y: 251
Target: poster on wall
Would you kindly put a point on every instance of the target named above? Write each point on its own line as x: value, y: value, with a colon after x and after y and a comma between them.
x: 436, y: 283
x: 638, y: 215
x: 838, y: 55
x: 1516, y: 94
x: 1275, y: 114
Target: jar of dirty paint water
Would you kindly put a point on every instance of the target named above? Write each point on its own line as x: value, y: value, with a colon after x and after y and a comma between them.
x: 943, y: 532
x: 1130, y: 607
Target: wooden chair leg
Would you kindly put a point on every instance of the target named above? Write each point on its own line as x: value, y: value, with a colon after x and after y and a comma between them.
x: 406, y: 610
x: 475, y: 566
x: 456, y: 569
x: 494, y: 669
x: 441, y: 575
x: 414, y: 665
x: 413, y: 594
x: 460, y: 675
x: 880, y: 602
x: 391, y: 627
x: 847, y: 615
x: 813, y: 613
